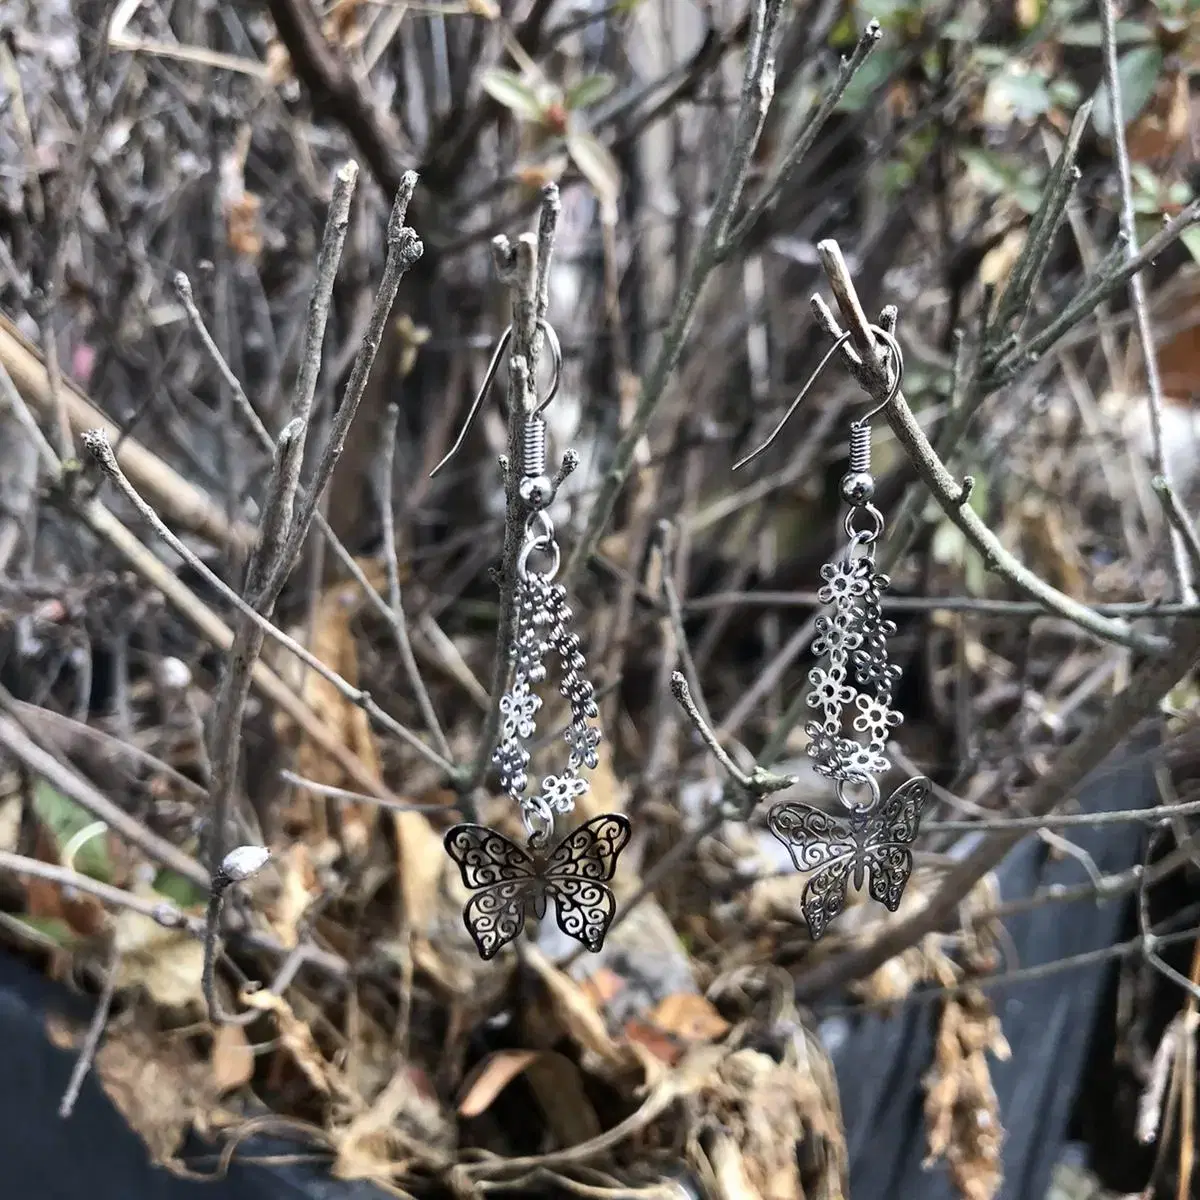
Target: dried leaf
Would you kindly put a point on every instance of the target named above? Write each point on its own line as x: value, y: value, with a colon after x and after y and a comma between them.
x: 333, y: 643
x: 243, y: 229
x: 167, y: 962
x: 156, y: 1083
x: 231, y: 1057
x: 689, y: 1017
x: 297, y: 1039
x: 491, y: 1077
x: 962, y: 1114
x: 578, y: 1018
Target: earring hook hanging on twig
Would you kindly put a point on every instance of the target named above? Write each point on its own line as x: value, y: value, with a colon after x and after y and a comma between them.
x: 490, y: 375
x: 897, y: 358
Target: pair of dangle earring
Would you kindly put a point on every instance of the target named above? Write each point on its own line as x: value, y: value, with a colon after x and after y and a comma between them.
x: 851, y: 690
x: 506, y: 880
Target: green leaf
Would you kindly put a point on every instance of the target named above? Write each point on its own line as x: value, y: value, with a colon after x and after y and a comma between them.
x: 845, y: 33
x: 179, y: 889
x: 50, y: 929
x: 1137, y: 73
x: 509, y: 89
x: 1190, y: 237
x: 590, y: 90
x: 869, y: 78
x: 998, y: 174
x: 64, y: 819
x: 1025, y: 93
x: 600, y: 169
x: 1091, y: 33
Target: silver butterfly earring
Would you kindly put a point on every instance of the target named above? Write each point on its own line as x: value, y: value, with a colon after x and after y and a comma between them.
x: 506, y: 879
x: 852, y: 687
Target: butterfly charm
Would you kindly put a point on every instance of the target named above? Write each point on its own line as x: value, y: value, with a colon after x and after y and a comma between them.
x: 507, y: 879
x: 833, y: 848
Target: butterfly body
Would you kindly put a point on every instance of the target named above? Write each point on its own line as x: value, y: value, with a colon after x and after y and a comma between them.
x: 507, y: 880
x: 838, y: 850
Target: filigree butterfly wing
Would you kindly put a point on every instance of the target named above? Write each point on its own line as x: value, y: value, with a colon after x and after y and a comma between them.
x: 504, y: 879
x: 886, y: 837
x: 576, y: 874
x: 823, y: 844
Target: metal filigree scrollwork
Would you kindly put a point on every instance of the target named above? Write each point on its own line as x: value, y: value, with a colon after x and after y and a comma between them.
x: 507, y: 879
x: 851, y: 688
x: 836, y: 849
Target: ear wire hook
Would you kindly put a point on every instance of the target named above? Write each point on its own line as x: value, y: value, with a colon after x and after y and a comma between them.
x: 892, y: 346
x: 490, y: 375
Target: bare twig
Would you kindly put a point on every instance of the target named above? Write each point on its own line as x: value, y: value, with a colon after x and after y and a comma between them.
x: 525, y: 269
x: 337, y: 793
x: 951, y: 495
x: 14, y: 740
x: 1184, y: 574
x: 403, y: 250
x: 236, y: 867
x: 791, y: 158
x: 758, y: 85
x: 91, y: 1042
x: 97, y: 445
x: 395, y: 599
x: 162, y: 911
x: 1181, y: 524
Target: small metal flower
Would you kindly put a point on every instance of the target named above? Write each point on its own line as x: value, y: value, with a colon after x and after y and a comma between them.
x: 834, y: 638
x: 846, y: 581
x: 829, y: 687
x: 561, y: 791
x: 518, y: 707
x: 584, y: 740
x: 875, y: 717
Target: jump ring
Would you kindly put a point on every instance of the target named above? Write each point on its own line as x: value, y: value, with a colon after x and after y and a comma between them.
x: 546, y: 544
x: 864, y: 536
x: 858, y: 781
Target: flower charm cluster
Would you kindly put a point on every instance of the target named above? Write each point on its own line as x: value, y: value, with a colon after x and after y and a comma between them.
x: 543, y: 618
x: 855, y: 678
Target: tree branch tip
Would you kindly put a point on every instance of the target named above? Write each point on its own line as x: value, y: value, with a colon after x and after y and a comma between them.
x: 872, y: 33
x: 182, y: 285
x: 347, y: 173
x: 966, y: 489
x: 679, y: 687
x: 96, y: 443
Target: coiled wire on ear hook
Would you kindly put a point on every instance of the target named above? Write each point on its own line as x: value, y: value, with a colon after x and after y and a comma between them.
x: 861, y: 423
x: 535, y: 418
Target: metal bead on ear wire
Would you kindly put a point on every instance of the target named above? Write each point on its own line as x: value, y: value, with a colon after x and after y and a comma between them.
x: 852, y: 689
x: 506, y: 879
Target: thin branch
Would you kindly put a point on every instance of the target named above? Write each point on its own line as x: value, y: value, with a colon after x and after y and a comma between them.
x: 1150, y: 941
x: 1137, y: 292
x: 758, y: 85
x: 97, y: 445
x: 395, y: 599
x: 403, y: 250
x: 337, y: 793
x: 525, y: 268
x: 91, y: 1042
x: 792, y: 157
x: 1181, y: 524
x: 161, y: 912
x: 1065, y: 820
x: 951, y: 495
x: 63, y: 779
x: 183, y: 289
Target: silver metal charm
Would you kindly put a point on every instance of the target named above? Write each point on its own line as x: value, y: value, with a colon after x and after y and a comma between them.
x: 507, y: 878
x: 852, y: 688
